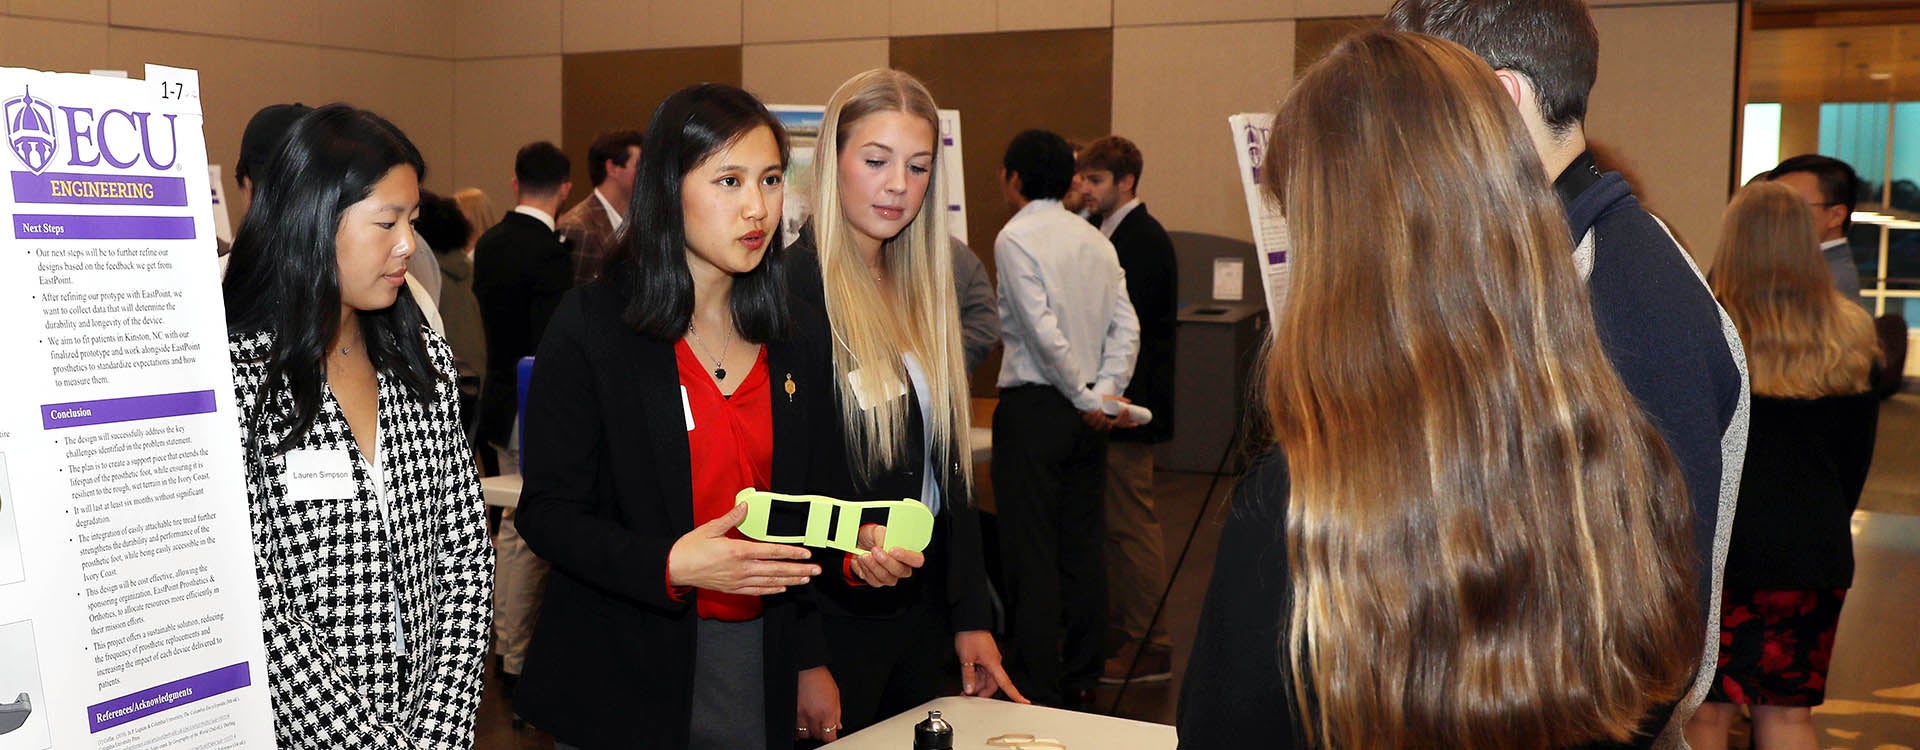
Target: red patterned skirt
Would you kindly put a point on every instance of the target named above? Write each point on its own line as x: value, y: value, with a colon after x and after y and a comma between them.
x: 1775, y: 646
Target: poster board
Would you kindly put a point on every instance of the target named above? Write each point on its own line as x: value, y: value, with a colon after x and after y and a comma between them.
x: 1250, y: 133
x: 128, y: 605
x: 803, y: 133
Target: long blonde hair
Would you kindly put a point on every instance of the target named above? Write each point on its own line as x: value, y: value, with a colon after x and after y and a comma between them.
x: 1489, y: 545
x: 871, y: 336
x: 1803, y: 338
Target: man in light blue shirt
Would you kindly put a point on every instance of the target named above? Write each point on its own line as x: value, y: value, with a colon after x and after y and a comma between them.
x: 1071, y: 337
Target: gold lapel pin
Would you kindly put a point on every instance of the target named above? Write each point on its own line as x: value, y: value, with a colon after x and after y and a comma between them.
x: 790, y: 388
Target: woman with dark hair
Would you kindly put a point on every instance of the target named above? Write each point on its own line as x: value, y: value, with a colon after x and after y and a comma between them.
x: 1467, y: 536
x: 1812, y: 352
x: 369, y: 538
x: 679, y: 377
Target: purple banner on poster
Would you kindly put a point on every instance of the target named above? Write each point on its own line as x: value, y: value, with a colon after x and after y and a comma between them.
x: 174, y: 694
x: 132, y: 409
x: 99, y: 190
x: 52, y: 227
x: 1277, y: 257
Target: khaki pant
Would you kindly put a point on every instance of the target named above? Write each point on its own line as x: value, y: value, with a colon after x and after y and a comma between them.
x: 1136, y: 555
x: 519, y: 583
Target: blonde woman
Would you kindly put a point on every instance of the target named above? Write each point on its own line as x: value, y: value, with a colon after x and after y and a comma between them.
x: 878, y: 256
x: 479, y: 210
x: 1466, y: 537
x: 1812, y: 351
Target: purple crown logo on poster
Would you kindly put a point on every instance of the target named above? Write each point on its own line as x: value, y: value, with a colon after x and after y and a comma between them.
x: 30, y: 131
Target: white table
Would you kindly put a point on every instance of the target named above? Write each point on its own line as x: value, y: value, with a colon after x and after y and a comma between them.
x: 501, y: 491
x: 976, y: 720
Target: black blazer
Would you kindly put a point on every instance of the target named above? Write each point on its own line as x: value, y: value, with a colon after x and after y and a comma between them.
x: 608, y: 492
x: 520, y: 269
x: 955, y: 576
x: 1807, y: 461
x: 1153, y: 283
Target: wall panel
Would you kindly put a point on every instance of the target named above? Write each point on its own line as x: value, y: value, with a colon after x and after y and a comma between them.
x: 1341, y: 8
x: 289, y: 21
x: 1151, y: 12
x: 1674, y: 129
x: 500, y: 28
x: 1002, y: 88
x: 499, y: 106
x: 606, y: 25
x: 1025, y: 15
x: 411, y: 27
x: 929, y: 17
x: 52, y: 45
x: 678, y: 23
x: 608, y: 90
x: 91, y: 11
x: 811, y: 20
x: 1173, y: 89
x: 807, y: 72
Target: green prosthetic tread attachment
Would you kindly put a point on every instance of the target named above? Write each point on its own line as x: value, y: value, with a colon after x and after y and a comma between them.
x: 909, y: 523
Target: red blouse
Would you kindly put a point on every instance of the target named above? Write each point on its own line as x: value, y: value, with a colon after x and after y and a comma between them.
x: 732, y: 447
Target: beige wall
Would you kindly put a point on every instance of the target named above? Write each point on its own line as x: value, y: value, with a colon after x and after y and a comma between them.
x: 1203, y: 72
x: 252, y: 54
x: 806, y: 72
x: 500, y: 105
x: 1665, y: 100
x: 471, y: 80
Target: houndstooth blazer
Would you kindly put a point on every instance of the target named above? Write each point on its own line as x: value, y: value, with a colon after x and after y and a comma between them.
x: 330, y: 570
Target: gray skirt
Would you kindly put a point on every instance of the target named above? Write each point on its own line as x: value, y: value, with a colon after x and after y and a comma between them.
x: 729, y: 687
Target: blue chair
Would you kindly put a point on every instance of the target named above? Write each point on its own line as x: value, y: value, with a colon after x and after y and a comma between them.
x: 525, y: 372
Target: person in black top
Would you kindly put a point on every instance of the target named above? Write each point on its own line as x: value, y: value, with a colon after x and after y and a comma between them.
x: 1109, y: 170
x: 1467, y: 536
x: 1674, y: 348
x: 520, y: 269
x: 661, y: 389
x: 1790, y: 562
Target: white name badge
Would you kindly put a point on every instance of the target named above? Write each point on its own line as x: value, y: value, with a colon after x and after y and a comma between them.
x: 686, y: 407
x: 860, y: 395
x: 319, y: 475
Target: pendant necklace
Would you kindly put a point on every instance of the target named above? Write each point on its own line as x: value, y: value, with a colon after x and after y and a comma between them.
x: 719, y: 363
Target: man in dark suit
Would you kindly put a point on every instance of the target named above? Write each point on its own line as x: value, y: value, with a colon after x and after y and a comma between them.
x: 1830, y: 188
x: 521, y: 267
x: 591, y: 225
x: 1109, y: 171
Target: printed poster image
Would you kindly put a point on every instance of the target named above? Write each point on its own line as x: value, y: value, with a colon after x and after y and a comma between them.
x: 11, y: 570
x: 126, y: 553
x: 23, y: 720
x: 1270, y: 244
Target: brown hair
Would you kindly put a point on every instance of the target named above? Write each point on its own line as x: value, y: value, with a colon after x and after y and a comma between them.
x: 1489, y: 546
x: 1803, y: 338
x: 1552, y: 42
x: 1113, y: 154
